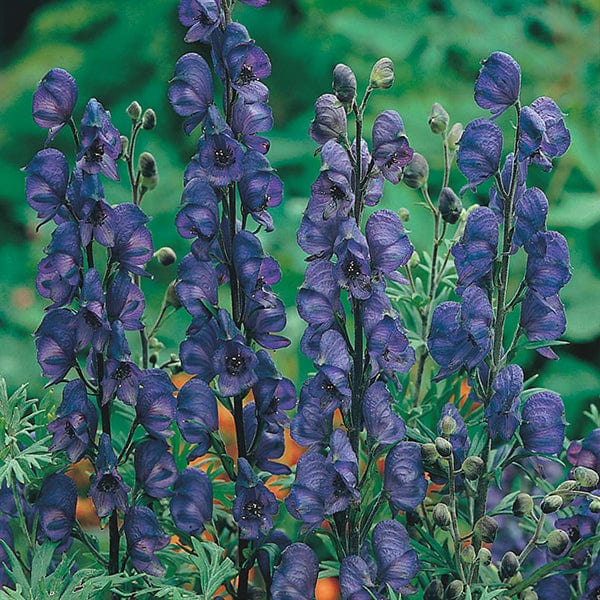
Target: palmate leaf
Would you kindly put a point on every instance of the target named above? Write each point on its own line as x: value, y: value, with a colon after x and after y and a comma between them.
x: 213, y: 568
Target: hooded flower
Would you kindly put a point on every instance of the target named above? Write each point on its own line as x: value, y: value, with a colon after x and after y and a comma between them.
x: 388, y: 347
x: 356, y: 582
x: 269, y: 445
x: 196, y: 284
x: 220, y: 156
x: 132, y: 247
x: 192, y: 501
x: 556, y: 138
x: 330, y: 120
x: 531, y: 132
x: 548, y: 268
x: 234, y: 363
x: 92, y: 322
x: 391, y: 150
x: 383, y: 425
x: 499, y: 83
x: 531, y: 210
x: 543, y: 319
x: 404, y: 477
x: 201, y: 16
x: 55, y: 340
x: 586, y: 452
x: 155, y: 470
x: 97, y: 218
x: 155, y: 406
x: 503, y: 409
x: 144, y: 537
x: 313, y: 421
x: 249, y: 119
x: 55, y: 507
x: 125, y: 302
x: 295, y: 578
x: 352, y: 269
x: 543, y: 426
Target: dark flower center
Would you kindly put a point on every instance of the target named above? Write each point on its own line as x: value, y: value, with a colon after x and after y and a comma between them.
x: 91, y: 320
x: 337, y: 193
x: 223, y: 157
x: 235, y: 363
x: 69, y: 430
x: 123, y: 371
x: 108, y: 484
x: 339, y: 486
x: 95, y: 152
x: 246, y: 75
x: 265, y: 202
x: 203, y: 19
x: 353, y: 270
x: 97, y: 216
x: 392, y: 160
x: 252, y: 510
x: 573, y: 533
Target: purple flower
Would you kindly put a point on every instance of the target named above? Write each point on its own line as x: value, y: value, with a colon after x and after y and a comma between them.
x: 191, y: 89
x: 100, y: 142
x: 345, y: 463
x: 76, y: 422
x: 592, y: 584
x: 295, y: 578
x: 497, y: 198
x: 156, y: 405
x: 586, y: 452
x: 475, y: 253
x: 391, y: 150
x: 234, y: 363
x: 92, y: 322
x: 196, y: 284
x: 531, y: 210
x: 383, y: 425
x: 330, y: 120
x: 263, y: 321
x: 548, y: 268
x: 404, y: 477
x: 531, y: 132
x: 356, y: 582
x: 249, y: 119
x: 247, y: 64
x: 125, y: 302
x: 313, y: 421
x: 55, y: 340
x: 254, y: 505
x: 155, y: 469
x: 556, y: 139
x: 499, y: 83
x: 54, y: 101
x: 201, y: 16
x: 198, y: 349
x: 388, y: 347
x: 55, y: 507
x: 46, y: 183
x: 192, y: 501
x: 220, y: 156
x: 96, y: 217
x: 352, y: 269
x: 555, y: 587
x: 333, y: 363
x: 543, y: 426
x: 269, y: 445
x: 144, y: 537
x: 502, y: 411
x: 132, y: 247
x: 108, y: 491
x: 197, y: 414
x: 543, y: 319
x: 479, y: 152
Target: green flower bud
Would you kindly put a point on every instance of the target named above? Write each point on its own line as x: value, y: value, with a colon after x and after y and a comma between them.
x: 149, y: 119
x: 438, y: 118
x: 441, y: 516
x: 416, y: 172
x: 508, y: 566
x: 444, y: 447
x: 429, y: 453
x: 166, y: 256
x: 551, y: 504
x: 454, y: 136
x: 567, y: 486
x: 455, y: 590
x: 134, y: 110
x: 557, y: 541
x: 448, y: 425
x: 473, y: 467
x: 344, y: 84
x: 586, y: 477
x: 171, y: 297
x: 124, y: 145
x: 486, y: 529
x: 382, y: 74
x: 595, y: 506
x: 155, y: 344
x: 450, y: 205
x: 434, y: 591
x: 404, y: 214
x: 414, y: 260
x: 468, y: 555
x: 485, y: 557
x: 529, y: 594
x: 523, y: 505
x: 148, y: 170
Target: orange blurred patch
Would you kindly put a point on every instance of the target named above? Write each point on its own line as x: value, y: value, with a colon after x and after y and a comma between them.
x: 328, y: 589
x: 22, y: 297
x: 180, y: 378
x: 85, y: 512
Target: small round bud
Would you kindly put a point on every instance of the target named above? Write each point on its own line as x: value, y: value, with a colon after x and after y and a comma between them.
x: 508, y: 566
x: 450, y: 205
x: 557, y: 541
x: 148, y: 170
x: 404, y: 214
x: 529, y: 594
x: 155, y: 344
x: 166, y: 256
x: 551, y: 504
x: 149, y: 119
x: 438, y: 118
x: 416, y: 172
x: 444, y: 447
x: 441, y: 516
x: 344, y: 84
x: 171, y: 297
x: 414, y: 260
x: 486, y: 529
x: 124, y: 145
x: 455, y: 590
x: 454, y: 136
x: 134, y: 110
x: 448, y: 425
x: 429, y: 453
x: 523, y: 505
x: 485, y: 557
x: 585, y: 477
x: 595, y: 506
x: 567, y: 486
x: 468, y: 554
x: 473, y: 467
x: 434, y: 591
x: 382, y: 74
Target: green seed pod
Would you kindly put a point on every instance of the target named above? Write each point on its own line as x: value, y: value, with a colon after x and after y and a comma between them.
x: 586, y: 477
x: 124, y: 145
x: 444, y: 447
x: 134, y: 110
x: 485, y: 557
x: 551, y: 504
x: 344, y: 84
x: 567, y: 486
x: 149, y: 119
x: 523, y: 505
x: 454, y: 136
x: 434, y: 591
x: 438, y: 118
x: 595, y: 506
x: 382, y: 74
x: 429, y: 453
x: 468, y: 555
x: 166, y: 256
x: 557, y: 541
x: 416, y: 172
x: 473, y: 467
x: 509, y: 565
x: 404, y: 214
x: 171, y: 297
x: 455, y: 590
x: 441, y: 516
x: 448, y: 425
x: 486, y: 529
x: 148, y: 170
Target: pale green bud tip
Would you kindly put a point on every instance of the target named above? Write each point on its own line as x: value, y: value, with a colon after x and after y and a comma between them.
x: 523, y: 505
x: 473, y: 467
x: 416, y: 172
x: 382, y: 74
x: 171, y: 297
x: 468, y: 554
x: 455, y: 590
x: 147, y: 165
x: 429, y: 453
x: 404, y: 214
x: 344, y: 84
x: 448, y: 425
x: 486, y: 529
x: 166, y: 256
x: 485, y: 557
x: 595, y: 506
x: 441, y: 516
x: 557, y: 540
x: 434, y: 591
x: 444, y: 447
x: 508, y: 566
x: 414, y: 260
x: 134, y: 110
x: 149, y: 119
x: 454, y: 135
x: 438, y: 119
x: 124, y: 144
x: 551, y: 504
x: 585, y: 477
x: 529, y: 594
x: 568, y: 486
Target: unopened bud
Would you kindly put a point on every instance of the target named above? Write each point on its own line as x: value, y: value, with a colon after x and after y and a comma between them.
x: 486, y: 529
x: 455, y: 590
x: 382, y: 74
x: 551, y: 504
x: 344, y: 84
x: 416, y: 172
x: 441, y: 516
x: 429, y: 453
x: 567, y: 486
x: 438, y: 118
x: 473, y: 467
x: 468, y: 555
x: 529, y: 594
x: 450, y: 205
x: 134, y: 110
x: 508, y: 566
x: 484, y: 556
x: 444, y: 447
x: 434, y: 591
x: 523, y: 505
x: 166, y: 256
x: 124, y: 145
x: 415, y: 260
x: 149, y: 119
x: 557, y: 540
x: 404, y: 214
x: 448, y: 425
x: 585, y: 477
x: 454, y: 135
x: 171, y: 297
x: 148, y: 170
x: 595, y: 506
x: 155, y: 344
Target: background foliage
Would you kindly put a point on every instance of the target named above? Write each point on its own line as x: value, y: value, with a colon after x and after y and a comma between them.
x: 124, y: 50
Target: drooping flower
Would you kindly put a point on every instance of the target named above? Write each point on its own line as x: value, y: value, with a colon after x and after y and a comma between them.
x: 144, y: 537
x: 125, y: 302
x: 531, y: 133
x: 333, y: 363
x: 55, y: 341
x: 295, y: 577
x: 404, y: 477
x: 502, y: 411
x: 543, y: 426
x: 330, y: 120
x: 155, y: 470
x: 192, y: 501
x: 356, y: 581
x: 269, y: 445
x: 156, y: 405
x: 132, y: 247
x: 530, y: 210
x: 250, y: 119
x: 352, y: 269
x: 196, y: 284
x: 499, y: 83
x: 548, y: 268
x: 201, y: 16
x: 382, y: 423
x: 586, y: 452
x: 556, y: 139
x: 92, y: 322
x: 388, y: 347
x: 198, y: 349
x: 391, y: 150
x: 55, y: 507
x: 313, y: 421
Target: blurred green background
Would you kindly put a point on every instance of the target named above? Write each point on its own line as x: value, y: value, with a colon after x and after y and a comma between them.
x: 120, y: 50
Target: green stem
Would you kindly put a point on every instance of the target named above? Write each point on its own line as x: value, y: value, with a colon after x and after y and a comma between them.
x: 534, y: 538
x: 454, y: 518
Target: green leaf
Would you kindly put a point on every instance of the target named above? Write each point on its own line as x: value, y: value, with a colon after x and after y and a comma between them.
x: 42, y: 557
x: 214, y: 569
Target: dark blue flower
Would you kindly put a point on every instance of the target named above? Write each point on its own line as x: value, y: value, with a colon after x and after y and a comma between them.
x: 156, y: 405
x: 198, y: 349
x: 404, y: 477
x: 520, y: 185
x: 76, y: 422
x: 269, y: 445
x: 391, y: 150
x: 388, y: 347
x: 344, y: 461
x: 55, y: 507
x: 352, y: 269
x: 548, y: 268
x: 530, y: 210
x: 543, y: 319
x: 555, y: 587
x: 556, y: 139
x: 220, y: 156
x: 313, y: 421
x: 155, y: 470
x: 531, y: 132
x: 192, y: 501
x: 97, y: 218
x: 54, y: 101
x: 144, y: 537
x: 459, y: 438
x: 125, y: 302
x: 201, y: 16
x: 498, y: 83
x: 263, y: 321
x: 55, y: 341
x: 586, y: 452
x: 383, y: 425
x: 92, y: 322
x: 592, y: 584
x: 196, y: 284
x: 333, y: 364
x: 543, y: 426
x: 295, y: 578
x: 330, y: 120
x: 503, y: 409
x: 249, y: 119
x: 132, y: 247
x: 356, y: 581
